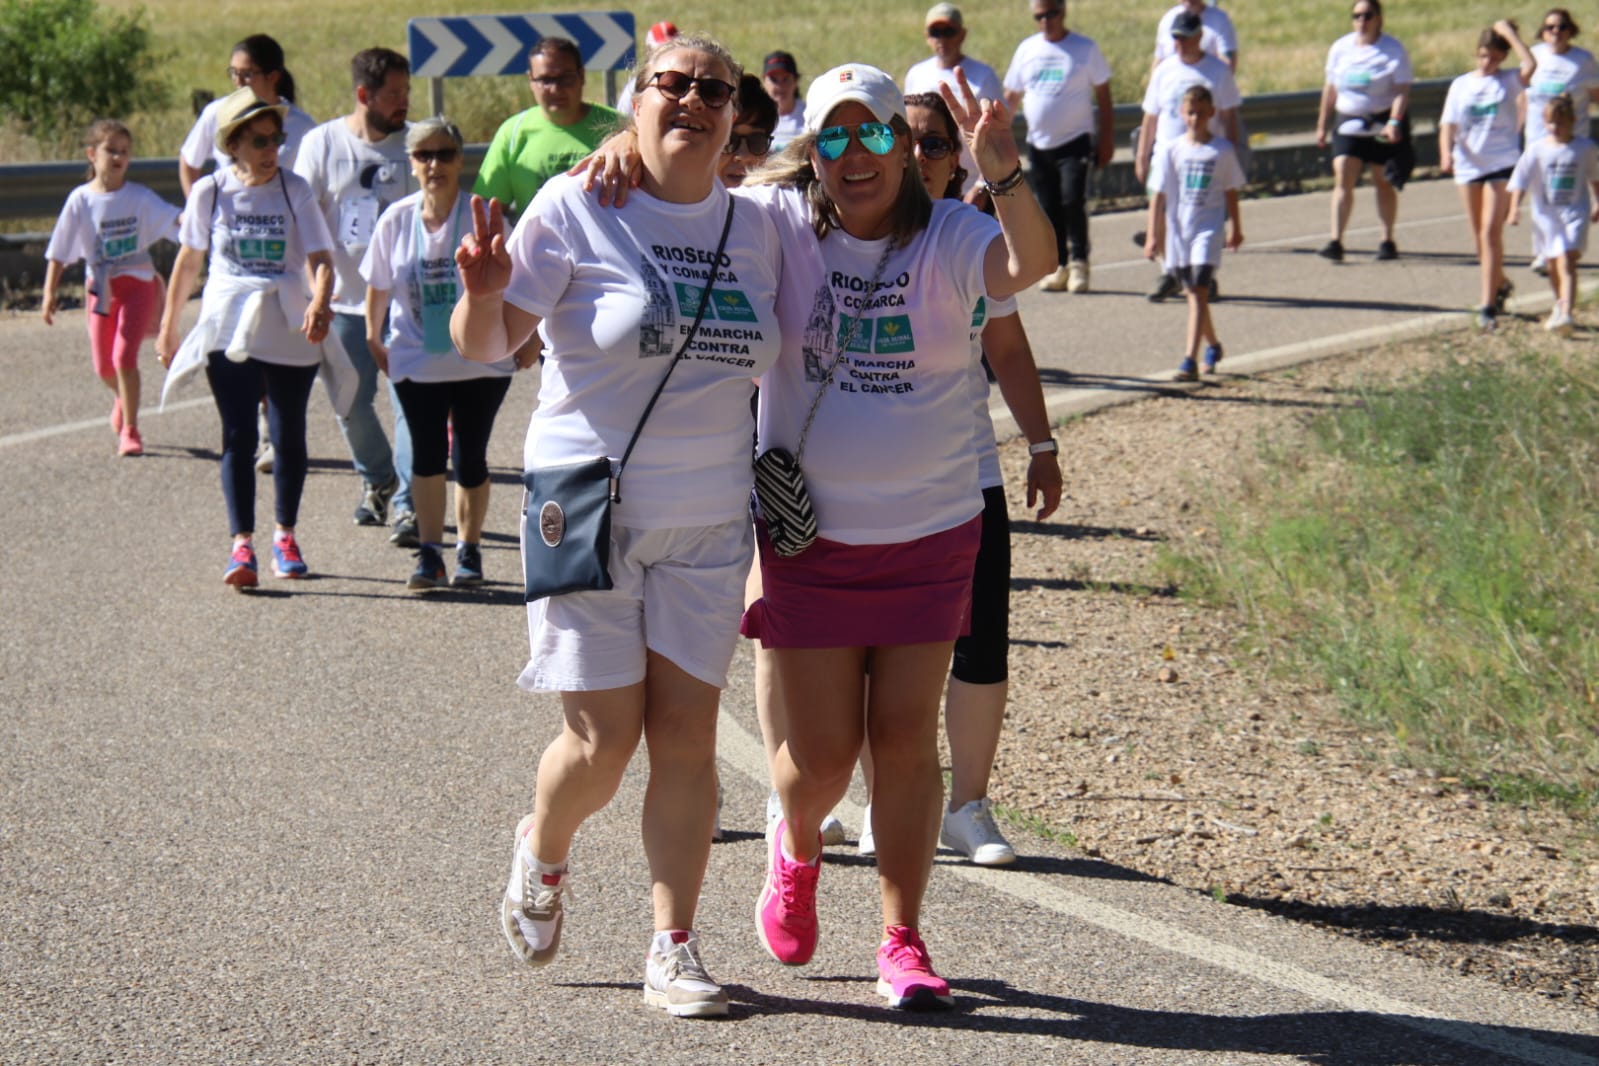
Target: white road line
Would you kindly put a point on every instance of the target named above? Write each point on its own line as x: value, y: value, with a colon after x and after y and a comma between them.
x: 46, y: 432
x: 739, y: 748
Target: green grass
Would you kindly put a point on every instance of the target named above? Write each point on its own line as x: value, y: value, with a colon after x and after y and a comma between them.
x: 1283, y: 44
x: 1433, y: 552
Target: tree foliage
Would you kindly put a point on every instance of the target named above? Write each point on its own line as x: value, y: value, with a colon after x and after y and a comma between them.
x: 64, y: 62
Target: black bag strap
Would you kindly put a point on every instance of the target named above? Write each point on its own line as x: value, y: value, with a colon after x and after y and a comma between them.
x: 699, y: 315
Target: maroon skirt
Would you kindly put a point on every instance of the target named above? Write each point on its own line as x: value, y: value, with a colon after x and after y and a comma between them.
x: 836, y: 595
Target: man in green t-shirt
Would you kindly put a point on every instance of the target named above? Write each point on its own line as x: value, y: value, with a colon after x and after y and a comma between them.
x: 546, y: 140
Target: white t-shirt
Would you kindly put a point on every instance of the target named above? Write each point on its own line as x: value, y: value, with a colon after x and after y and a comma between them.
x: 112, y: 231
x: 201, y: 143
x: 1574, y: 72
x: 1557, y: 178
x: 1483, y: 112
x: 1367, y: 76
x: 983, y: 443
x: 789, y: 126
x: 1217, y: 36
x: 927, y: 76
x: 257, y: 237
x: 1195, y: 179
x: 889, y: 457
x: 354, y: 181
x: 617, y: 290
x: 1057, y: 81
x: 1173, y: 78
x: 417, y: 269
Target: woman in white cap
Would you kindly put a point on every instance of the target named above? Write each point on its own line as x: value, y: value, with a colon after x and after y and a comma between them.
x: 616, y: 297
x: 261, y: 326
x: 874, y: 389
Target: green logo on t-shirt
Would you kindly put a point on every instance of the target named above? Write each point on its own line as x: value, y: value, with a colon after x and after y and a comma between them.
x: 262, y: 248
x: 688, y: 299
x: 979, y: 313
x: 894, y: 335
x: 117, y: 247
x: 861, y: 340
x: 733, y: 306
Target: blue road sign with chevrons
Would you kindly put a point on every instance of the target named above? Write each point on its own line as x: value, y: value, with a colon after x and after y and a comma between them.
x: 466, y: 45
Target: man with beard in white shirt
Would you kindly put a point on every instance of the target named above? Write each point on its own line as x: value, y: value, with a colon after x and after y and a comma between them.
x: 356, y: 166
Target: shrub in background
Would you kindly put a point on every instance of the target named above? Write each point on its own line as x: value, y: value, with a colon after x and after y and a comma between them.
x: 65, y: 62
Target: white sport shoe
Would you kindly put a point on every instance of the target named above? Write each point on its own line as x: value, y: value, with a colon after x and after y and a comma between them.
x: 532, y: 909
x: 972, y: 832
x: 833, y: 832
x: 1077, y: 275
x: 866, y: 846
x: 676, y: 981
x: 1059, y: 281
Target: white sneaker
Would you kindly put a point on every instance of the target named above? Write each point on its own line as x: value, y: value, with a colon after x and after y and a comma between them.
x: 833, y: 832
x: 866, y: 846
x: 1077, y: 276
x: 1559, y: 323
x: 972, y: 832
x: 1059, y: 281
x: 532, y: 910
x: 676, y: 981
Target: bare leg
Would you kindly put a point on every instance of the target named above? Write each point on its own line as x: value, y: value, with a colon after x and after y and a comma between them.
x: 1495, y: 206
x: 581, y: 769
x: 974, y: 715
x: 471, y: 508
x: 768, y: 697
x: 902, y: 720
x: 812, y: 768
x: 1471, y: 199
x: 1197, y: 298
x: 126, y: 387
x: 1346, y: 175
x: 427, y: 496
x: 1387, y: 202
x: 680, y: 799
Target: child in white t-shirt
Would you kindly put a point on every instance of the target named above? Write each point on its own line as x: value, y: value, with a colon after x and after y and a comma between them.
x: 1556, y: 174
x: 1194, y: 185
x: 111, y: 222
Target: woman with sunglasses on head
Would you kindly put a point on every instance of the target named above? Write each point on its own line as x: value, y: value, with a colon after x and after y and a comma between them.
x: 412, y: 284
x: 256, y: 63
x: 261, y: 325
x: 879, y: 285
x: 1563, y: 69
x: 614, y: 295
x: 1479, y: 143
x: 974, y: 702
x: 1365, y: 105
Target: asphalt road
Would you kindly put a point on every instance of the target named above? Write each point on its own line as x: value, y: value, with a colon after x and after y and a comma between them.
x: 275, y: 827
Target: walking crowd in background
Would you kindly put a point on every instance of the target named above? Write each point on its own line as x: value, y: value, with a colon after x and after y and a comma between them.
x: 734, y: 266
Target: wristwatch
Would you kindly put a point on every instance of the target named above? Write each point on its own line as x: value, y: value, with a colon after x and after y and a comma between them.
x: 1050, y: 446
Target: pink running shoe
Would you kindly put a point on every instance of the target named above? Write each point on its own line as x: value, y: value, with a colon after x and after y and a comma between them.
x: 785, y: 914
x: 905, y: 973
x: 129, y: 443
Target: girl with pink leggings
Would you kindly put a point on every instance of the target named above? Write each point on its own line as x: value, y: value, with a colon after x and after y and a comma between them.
x: 111, y: 222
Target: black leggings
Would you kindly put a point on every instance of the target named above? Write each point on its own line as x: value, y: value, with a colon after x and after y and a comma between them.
x: 237, y: 389
x: 981, y: 655
x: 430, y: 407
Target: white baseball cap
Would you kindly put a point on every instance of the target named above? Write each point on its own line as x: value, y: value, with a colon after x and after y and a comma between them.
x: 856, y: 82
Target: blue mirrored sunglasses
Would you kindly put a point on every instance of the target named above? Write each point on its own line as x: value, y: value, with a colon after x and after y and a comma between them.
x: 833, y: 141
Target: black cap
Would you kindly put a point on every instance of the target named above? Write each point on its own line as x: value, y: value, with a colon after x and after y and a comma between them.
x: 1186, y: 24
x: 780, y: 61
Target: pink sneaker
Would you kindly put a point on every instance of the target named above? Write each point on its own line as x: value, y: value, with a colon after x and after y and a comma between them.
x: 129, y: 442
x: 905, y: 973
x: 785, y: 914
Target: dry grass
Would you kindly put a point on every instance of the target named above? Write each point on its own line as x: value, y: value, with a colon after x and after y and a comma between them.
x: 1283, y: 42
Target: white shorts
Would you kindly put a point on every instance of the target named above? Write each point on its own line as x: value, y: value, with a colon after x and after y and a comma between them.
x: 1560, y: 235
x: 677, y: 592
x: 1195, y: 249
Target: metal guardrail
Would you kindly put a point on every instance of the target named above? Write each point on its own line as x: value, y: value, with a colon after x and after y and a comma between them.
x: 37, y: 190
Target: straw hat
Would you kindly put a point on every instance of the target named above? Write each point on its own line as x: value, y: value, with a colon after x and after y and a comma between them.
x: 239, y: 107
